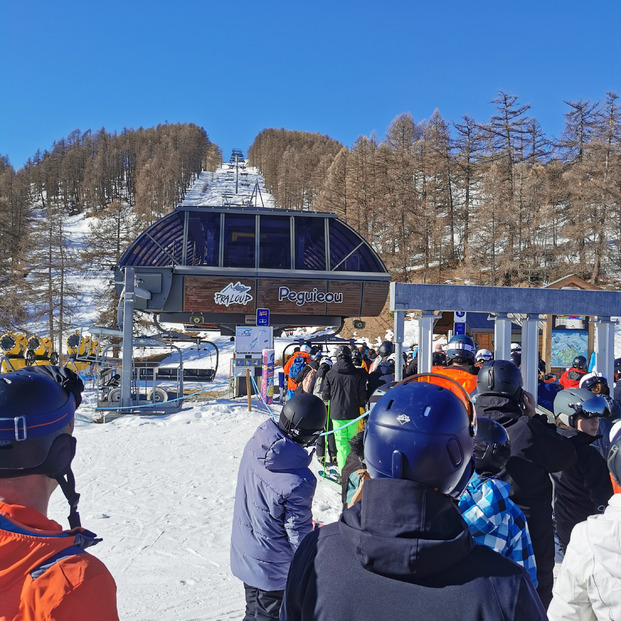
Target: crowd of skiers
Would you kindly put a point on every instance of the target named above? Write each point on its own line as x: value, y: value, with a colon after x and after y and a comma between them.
x: 454, y: 507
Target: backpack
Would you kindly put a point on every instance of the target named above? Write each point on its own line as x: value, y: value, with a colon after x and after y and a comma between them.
x: 296, y: 366
x: 309, y: 380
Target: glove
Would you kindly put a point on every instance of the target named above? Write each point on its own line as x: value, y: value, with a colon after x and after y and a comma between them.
x: 69, y: 380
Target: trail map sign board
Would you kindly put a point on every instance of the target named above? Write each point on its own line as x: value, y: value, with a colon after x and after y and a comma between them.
x: 253, y: 340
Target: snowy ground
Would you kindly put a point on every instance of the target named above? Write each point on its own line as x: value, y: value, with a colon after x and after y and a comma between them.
x: 159, y: 490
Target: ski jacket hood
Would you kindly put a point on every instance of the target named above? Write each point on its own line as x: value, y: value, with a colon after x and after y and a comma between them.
x: 276, y: 451
x: 492, y: 517
x: 425, y: 535
x: 502, y: 409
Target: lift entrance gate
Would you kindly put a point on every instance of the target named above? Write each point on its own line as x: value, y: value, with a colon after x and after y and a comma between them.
x: 503, y: 303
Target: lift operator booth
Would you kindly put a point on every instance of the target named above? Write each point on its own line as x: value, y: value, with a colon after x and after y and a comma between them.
x: 505, y: 304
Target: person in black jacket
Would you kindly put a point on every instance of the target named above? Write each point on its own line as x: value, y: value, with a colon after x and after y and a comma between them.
x: 584, y: 488
x: 345, y: 387
x: 537, y: 450
x: 382, y: 370
x: 403, y: 551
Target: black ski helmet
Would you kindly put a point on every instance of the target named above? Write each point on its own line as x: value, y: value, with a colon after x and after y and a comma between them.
x: 385, y: 349
x: 492, y: 447
x: 580, y: 362
x: 422, y: 431
x: 303, y: 418
x: 37, y: 404
x: 500, y: 377
x: 438, y: 359
x: 343, y: 352
x: 461, y: 347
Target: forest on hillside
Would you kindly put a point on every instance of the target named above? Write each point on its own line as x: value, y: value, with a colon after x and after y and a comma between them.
x: 491, y: 202
x: 126, y: 181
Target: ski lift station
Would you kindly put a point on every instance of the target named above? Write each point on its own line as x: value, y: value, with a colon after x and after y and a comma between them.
x: 213, y: 267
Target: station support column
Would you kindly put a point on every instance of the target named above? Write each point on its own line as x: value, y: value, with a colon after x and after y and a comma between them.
x: 502, y: 337
x: 530, y: 354
x: 605, y: 348
x: 399, y: 337
x: 425, y: 341
x: 128, y: 329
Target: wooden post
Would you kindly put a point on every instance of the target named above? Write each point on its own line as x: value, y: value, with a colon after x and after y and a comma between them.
x: 248, y: 390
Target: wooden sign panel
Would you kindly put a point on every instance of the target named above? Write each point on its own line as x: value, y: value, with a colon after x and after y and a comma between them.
x: 284, y: 297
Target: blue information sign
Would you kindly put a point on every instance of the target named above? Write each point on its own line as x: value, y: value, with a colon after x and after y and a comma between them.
x: 460, y: 328
x: 263, y: 317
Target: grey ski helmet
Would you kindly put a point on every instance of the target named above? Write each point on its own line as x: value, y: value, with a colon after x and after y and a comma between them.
x: 571, y: 402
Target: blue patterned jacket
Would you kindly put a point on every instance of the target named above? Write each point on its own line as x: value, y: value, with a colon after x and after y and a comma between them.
x: 495, y: 521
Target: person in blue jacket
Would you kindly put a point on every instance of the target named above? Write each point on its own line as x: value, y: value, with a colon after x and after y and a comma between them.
x: 403, y: 551
x: 273, y: 501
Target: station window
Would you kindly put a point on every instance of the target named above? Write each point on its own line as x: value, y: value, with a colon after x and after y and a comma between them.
x: 349, y: 252
x: 310, y: 243
x: 203, y: 239
x: 275, y: 242
x: 239, y: 240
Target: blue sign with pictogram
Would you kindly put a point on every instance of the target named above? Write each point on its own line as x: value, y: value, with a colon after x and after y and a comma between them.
x: 459, y: 322
x: 263, y: 317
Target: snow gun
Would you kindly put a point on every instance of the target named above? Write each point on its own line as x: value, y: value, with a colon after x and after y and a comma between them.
x: 14, y: 347
x: 82, y: 352
x: 41, y: 351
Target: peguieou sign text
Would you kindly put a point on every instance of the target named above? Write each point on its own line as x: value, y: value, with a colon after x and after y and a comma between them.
x: 306, y: 297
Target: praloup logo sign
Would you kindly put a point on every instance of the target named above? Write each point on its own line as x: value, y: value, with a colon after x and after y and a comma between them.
x: 233, y: 294
x: 307, y: 297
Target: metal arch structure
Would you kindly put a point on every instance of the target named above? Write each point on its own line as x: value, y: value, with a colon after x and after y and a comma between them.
x: 216, y: 266
x: 501, y: 303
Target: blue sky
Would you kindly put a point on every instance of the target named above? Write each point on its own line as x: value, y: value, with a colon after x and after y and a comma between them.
x: 344, y: 69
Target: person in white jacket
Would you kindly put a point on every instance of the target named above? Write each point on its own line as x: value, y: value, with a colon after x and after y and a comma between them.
x: 588, y: 587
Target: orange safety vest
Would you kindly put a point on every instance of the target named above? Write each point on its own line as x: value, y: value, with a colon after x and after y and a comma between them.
x: 467, y: 380
x: 46, y: 574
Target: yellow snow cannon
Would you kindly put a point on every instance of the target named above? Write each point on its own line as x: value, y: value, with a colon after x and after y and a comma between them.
x: 41, y: 351
x: 78, y: 350
x: 14, y: 346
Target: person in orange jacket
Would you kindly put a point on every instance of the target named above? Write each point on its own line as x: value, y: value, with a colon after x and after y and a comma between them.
x: 460, y: 352
x: 45, y: 572
x: 302, y: 352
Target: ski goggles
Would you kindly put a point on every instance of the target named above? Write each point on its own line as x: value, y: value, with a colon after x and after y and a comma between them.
x: 596, y: 407
x: 455, y: 387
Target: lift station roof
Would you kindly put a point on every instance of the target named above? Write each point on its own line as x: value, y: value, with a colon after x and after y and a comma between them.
x: 215, y: 266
